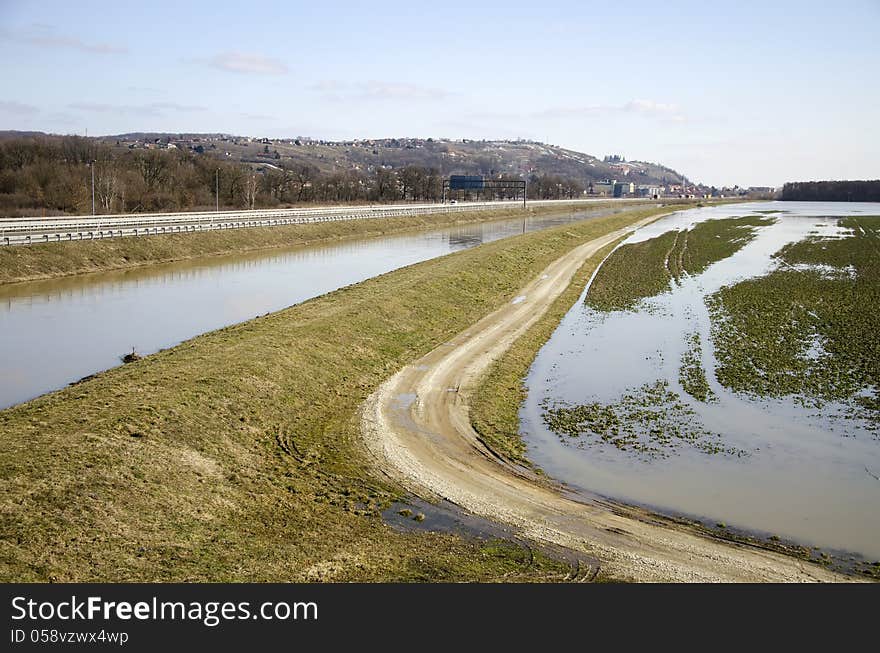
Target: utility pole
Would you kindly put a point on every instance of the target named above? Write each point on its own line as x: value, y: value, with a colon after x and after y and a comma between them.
x: 218, y: 190
x: 92, y: 166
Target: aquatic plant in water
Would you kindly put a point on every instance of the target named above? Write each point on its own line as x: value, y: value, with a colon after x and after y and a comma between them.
x: 651, y: 422
x: 691, y: 374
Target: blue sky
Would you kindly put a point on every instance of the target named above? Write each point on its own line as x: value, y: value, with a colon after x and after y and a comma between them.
x: 748, y: 93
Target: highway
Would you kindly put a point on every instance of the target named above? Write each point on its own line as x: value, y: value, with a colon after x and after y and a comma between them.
x: 33, y: 230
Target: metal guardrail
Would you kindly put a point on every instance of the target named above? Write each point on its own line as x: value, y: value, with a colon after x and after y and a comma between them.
x: 27, y: 231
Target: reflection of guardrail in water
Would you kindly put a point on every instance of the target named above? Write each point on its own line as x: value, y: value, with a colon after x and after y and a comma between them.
x: 27, y: 231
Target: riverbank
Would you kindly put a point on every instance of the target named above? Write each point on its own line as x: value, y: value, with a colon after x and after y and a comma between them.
x: 52, y: 260
x: 237, y: 455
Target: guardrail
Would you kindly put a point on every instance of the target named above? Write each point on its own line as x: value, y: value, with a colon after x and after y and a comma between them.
x: 27, y: 231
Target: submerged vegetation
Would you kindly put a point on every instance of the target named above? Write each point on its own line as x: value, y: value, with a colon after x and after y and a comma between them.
x: 639, y: 270
x: 810, y: 329
x: 691, y: 374
x: 651, y: 421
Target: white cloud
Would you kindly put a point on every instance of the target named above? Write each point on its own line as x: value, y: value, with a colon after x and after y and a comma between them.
x: 242, y: 62
x: 45, y: 36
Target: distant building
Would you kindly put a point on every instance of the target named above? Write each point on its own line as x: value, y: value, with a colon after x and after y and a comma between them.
x: 605, y: 187
x: 623, y: 188
x: 647, y: 190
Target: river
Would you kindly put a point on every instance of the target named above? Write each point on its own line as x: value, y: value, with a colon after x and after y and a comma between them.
x: 57, y: 331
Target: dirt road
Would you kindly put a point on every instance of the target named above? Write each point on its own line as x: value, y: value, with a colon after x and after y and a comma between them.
x: 417, y: 428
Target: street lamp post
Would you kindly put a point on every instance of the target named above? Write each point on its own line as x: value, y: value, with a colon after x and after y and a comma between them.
x: 92, y: 166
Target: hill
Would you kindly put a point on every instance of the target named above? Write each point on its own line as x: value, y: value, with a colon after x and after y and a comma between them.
x: 489, y: 158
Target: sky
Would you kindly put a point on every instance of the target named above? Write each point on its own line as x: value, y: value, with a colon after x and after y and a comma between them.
x: 746, y: 93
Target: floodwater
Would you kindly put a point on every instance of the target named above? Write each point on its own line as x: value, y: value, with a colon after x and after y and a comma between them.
x: 806, y: 474
x: 55, y: 332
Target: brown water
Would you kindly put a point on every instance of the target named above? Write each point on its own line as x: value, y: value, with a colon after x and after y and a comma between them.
x: 803, y: 476
x: 58, y: 331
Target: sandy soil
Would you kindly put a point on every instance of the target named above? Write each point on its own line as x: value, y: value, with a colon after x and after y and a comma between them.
x: 417, y: 429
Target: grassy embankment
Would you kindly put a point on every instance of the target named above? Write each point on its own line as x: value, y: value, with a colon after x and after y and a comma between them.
x: 810, y: 332
x: 45, y: 261
x: 236, y: 456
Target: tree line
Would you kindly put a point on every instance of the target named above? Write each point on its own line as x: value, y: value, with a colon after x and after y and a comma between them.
x: 832, y: 191
x: 52, y: 175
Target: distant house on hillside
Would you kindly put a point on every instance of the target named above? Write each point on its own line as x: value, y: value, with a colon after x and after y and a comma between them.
x: 623, y: 188
x: 648, y: 190
x: 605, y: 187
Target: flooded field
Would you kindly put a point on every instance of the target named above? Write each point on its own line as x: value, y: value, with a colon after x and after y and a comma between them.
x: 729, y: 375
x: 57, y: 331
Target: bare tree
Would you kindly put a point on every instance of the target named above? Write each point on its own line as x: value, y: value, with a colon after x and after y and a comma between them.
x: 152, y: 167
x: 250, y: 191
x: 107, y: 185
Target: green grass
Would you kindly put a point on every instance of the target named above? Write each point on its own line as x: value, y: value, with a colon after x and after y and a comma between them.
x: 711, y: 241
x: 44, y: 261
x: 645, y: 269
x: 632, y: 273
x: 764, y: 328
x: 236, y: 456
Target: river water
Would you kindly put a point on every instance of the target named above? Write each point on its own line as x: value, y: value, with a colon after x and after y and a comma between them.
x: 58, y: 331
x: 803, y: 473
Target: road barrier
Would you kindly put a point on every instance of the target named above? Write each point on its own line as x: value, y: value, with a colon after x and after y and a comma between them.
x: 27, y: 231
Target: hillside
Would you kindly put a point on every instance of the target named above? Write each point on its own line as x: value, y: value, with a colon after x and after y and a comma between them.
x: 489, y: 158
